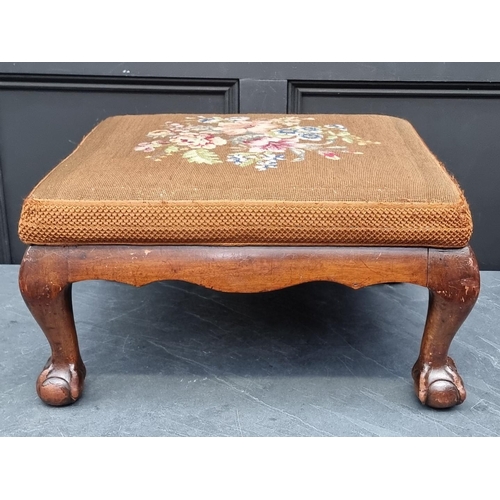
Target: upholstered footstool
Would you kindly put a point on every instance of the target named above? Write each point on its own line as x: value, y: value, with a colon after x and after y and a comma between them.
x: 249, y: 204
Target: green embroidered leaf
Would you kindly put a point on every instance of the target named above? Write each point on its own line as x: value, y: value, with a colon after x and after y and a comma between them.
x: 171, y: 149
x: 246, y: 163
x: 347, y: 139
x: 201, y: 156
x: 248, y: 159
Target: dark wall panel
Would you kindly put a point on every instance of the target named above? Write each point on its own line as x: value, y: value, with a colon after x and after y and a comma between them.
x: 41, y: 122
x: 263, y: 96
x: 332, y: 71
x: 460, y: 124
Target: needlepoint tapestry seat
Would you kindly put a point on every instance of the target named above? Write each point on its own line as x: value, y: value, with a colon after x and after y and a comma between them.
x: 249, y: 180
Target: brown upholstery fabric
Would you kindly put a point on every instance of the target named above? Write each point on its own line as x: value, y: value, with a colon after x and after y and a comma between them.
x: 249, y: 180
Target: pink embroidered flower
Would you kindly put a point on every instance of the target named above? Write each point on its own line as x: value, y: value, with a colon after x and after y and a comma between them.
x: 196, y: 141
x: 331, y: 155
x: 246, y: 127
x: 271, y: 144
x: 147, y: 147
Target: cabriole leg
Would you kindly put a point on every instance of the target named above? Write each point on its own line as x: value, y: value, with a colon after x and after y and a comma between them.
x: 453, y: 282
x: 47, y: 294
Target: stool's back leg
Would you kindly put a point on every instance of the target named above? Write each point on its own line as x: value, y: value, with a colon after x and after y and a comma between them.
x: 47, y: 293
x: 453, y: 282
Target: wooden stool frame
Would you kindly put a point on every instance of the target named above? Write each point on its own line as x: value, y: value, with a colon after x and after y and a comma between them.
x: 452, y: 277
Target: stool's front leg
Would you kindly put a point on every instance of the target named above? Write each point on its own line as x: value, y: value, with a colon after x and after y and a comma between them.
x: 47, y: 293
x: 453, y: 282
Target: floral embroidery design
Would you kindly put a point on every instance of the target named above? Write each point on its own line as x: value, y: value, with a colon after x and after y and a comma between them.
x: 261, y: 143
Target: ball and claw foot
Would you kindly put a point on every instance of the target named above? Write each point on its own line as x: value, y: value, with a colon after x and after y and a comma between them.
x: 438, y: 387
x: 61, y: 385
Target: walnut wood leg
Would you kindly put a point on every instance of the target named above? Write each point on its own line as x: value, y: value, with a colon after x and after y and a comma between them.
x: 47, y: 293
x: 453, y: 282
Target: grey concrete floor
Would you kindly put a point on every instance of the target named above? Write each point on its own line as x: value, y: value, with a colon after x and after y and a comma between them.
x: 318, y: 359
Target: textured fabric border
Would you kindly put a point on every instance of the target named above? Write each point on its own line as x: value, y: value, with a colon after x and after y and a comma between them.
x: 60, y: 222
